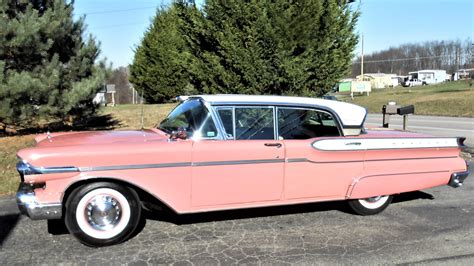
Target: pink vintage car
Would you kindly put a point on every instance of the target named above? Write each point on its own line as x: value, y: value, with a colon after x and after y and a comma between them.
x: 221, y: 152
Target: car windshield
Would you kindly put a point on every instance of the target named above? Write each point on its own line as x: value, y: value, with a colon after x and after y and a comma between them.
x: 193, y: 117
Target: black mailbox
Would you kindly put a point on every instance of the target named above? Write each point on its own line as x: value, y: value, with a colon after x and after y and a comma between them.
x: 406, y: 110
x: 392, y: 109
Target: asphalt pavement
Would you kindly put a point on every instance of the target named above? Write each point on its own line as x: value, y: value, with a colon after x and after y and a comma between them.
x: 435, y: 125
x: 434, y: 226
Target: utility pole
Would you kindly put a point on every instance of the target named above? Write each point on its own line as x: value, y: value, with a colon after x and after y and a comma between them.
x: 362, y: 58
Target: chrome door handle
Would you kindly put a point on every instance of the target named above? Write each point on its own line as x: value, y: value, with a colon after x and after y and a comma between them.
x: 278, y: 145
x: 354, y: 143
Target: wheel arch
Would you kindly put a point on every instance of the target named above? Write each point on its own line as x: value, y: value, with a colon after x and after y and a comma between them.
x: 143, y: 194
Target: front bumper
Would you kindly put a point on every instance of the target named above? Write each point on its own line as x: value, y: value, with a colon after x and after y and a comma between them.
x: 28, y: 205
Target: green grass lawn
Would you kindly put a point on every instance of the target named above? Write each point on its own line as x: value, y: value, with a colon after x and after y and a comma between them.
x: 446, y: 99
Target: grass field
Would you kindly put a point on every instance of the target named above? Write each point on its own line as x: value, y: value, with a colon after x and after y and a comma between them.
x: 447, y: 99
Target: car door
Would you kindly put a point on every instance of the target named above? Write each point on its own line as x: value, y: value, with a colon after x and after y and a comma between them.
x: 312, y: 171
x: 246, y: 166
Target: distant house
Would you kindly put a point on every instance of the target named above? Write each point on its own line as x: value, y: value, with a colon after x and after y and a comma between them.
x: 429, y: 76
x: 106, y: 95
x: 100, y: 97
x: 379, y: 80
x: 463, y: 74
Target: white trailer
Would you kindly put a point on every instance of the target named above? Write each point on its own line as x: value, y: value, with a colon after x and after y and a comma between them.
x: 429, y: 76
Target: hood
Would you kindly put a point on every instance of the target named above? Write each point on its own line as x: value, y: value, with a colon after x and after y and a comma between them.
x: 98, y: 138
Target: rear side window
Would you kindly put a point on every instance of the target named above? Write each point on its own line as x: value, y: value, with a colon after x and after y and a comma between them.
x: 254, y: 123
x: 296, y: 123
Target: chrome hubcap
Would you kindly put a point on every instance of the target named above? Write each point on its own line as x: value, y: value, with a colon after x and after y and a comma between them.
x: 103, y: 212
x: 373, y: 199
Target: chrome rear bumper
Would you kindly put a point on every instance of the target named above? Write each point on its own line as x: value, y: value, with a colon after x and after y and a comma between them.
x: 28, y: 205
x: 458, y: 178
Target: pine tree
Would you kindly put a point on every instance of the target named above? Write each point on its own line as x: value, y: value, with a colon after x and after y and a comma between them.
x: 159, y: 69
x: 47, y: 69
x: 271, y: 46
x: 246, y: 46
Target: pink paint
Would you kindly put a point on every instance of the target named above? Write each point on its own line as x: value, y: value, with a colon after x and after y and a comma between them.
x: 205, y: 175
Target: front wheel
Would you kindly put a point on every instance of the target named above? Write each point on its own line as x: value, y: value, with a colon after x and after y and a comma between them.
x: 370, y: 206
x: 102, y: 214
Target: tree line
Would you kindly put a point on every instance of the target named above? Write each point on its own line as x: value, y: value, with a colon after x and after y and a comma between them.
x: 446, y: 55
x: 249, y: 47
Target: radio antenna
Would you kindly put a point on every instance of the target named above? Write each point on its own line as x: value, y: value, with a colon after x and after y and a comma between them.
x: 142, y: 110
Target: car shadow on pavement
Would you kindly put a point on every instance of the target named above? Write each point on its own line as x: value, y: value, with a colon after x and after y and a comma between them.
x: 169, y: 216
x: 7, y: 224
x: 409, y: 196
x: 172, y: 217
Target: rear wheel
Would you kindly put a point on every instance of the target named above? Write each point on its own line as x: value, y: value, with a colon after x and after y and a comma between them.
x: 102, y: 214
x: 370, y: 206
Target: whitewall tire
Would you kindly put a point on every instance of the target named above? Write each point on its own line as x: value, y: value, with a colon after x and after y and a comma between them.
x: 370, y: 206
x: 102, y: 214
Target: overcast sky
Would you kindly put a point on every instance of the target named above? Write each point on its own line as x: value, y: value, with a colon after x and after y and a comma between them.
x: 120, y: 24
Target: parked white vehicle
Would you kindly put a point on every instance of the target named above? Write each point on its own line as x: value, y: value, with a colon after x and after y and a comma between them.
x: 413, y: 82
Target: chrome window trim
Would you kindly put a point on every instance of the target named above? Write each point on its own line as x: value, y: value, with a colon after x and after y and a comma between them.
x: 278, y: 104
x: 337, y: 122
x: 233, y: 122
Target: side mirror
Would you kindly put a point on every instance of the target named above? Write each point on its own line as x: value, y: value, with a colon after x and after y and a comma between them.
x: 179, y: 134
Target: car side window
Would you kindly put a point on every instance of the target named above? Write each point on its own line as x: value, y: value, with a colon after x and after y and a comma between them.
x: 194, y: 117
x: 294, y: 123
x: 227, y: 119
x: 254, y: 123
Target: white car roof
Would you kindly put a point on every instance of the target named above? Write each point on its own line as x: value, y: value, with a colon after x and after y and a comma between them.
x: 351, y: 115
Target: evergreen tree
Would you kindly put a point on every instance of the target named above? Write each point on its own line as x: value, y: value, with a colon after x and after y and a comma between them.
x: 47, y: 68
x: 270, y: 46
x: 159, y: 66
x: 246, y: 46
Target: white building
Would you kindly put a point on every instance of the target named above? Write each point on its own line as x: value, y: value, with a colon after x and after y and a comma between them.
x: 430, y: 76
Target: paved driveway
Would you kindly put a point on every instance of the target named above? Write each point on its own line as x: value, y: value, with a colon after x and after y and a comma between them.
x: 434, y: 226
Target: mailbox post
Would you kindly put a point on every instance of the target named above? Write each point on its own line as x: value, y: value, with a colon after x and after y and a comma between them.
x: 392, y: 109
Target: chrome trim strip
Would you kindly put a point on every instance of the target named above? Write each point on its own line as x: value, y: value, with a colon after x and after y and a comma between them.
x: 133, y: 166
x: 216, y: 163
x: 386, y: 146
x: 24, y: 168
x: 53, y: 170
x: 305, y: 160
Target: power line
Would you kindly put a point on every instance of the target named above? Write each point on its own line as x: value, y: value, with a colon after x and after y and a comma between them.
x: 118, y: 10
x: 118, y: 25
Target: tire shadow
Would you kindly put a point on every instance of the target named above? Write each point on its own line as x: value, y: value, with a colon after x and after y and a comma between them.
x: 7, y: 224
